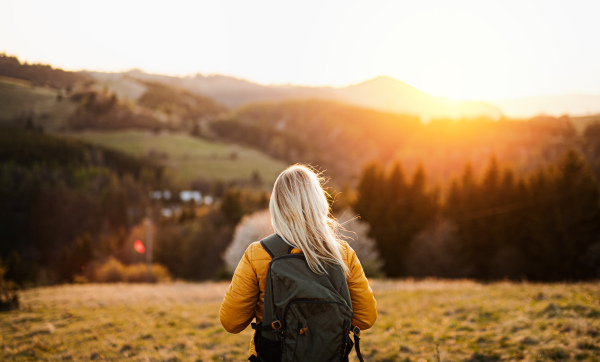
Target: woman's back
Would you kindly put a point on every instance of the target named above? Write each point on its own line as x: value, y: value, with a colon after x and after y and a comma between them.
x: 300, y: 216
x: 244, y: 299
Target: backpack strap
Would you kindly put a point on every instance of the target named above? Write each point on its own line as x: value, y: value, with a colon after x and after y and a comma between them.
x: 356, y: 332
x: 275, y: 246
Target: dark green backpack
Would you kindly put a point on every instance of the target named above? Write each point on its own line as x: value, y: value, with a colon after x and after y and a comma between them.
x: 307, y: 316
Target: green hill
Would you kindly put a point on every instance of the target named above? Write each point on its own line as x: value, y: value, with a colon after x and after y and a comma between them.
x: 20, y: 98
x: 190, y: 158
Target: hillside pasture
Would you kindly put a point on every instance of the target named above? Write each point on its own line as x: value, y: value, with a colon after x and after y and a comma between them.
x: 418, y: 321
x: 20, y: 97
x: 188, y: 157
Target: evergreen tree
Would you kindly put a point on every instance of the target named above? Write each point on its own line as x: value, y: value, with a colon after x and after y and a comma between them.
x: 392, y: 222
x: 578, y: 222
x: 231, y: 206
x: 463, y: 208
x: 591, y: 147
x: 564, y: 220
x: 395, y: 210
x: 488, y: 215
x: 369, y: 193
x: 74, y: 260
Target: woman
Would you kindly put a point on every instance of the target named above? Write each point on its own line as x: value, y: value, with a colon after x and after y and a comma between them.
x: 300, y: 215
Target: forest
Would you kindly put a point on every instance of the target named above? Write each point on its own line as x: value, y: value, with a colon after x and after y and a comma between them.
x: 498, y: 225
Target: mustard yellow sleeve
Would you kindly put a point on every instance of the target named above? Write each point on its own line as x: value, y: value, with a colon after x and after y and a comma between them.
x: 364, y: 305
x: 237, y: 309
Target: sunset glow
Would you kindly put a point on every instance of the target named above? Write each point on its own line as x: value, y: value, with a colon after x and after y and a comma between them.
x: 464, y: 50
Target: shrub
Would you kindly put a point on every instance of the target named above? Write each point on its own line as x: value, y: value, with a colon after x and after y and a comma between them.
x: 79, y: 279
x: 192, y: 250
x: 138, y: 273
x: 251, y: 228
x: 114, y: 271
x: 110, y: 272
x: 9, y: 299
x: 432, y: 252
x: 356, y: 233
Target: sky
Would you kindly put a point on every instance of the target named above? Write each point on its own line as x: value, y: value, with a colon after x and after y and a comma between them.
x: 479, y: 50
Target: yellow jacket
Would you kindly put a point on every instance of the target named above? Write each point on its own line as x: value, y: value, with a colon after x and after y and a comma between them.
x: 244, y: 298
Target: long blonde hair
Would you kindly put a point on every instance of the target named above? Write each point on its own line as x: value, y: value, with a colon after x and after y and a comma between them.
x: 300, y: 214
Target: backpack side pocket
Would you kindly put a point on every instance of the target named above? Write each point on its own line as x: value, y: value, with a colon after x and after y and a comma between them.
x: 266, y: 349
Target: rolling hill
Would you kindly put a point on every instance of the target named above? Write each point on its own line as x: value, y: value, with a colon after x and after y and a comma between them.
x: 382, y: 93
x: 189, y: 158
x: 298, y: 124
x: 20, y: 98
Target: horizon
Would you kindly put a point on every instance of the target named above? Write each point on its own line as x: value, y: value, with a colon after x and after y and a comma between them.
x: 464, y: 50
x: 191, y: 75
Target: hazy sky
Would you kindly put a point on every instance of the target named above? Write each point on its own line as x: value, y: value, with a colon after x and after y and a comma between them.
x: 460, y: 49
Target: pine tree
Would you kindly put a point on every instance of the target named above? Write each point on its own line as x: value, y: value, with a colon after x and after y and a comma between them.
x: 391, y: 233
x: 369, y: 193
x: 395, y: 210
x: 487, y: 214
x: 564, y: 220
x: 465, y: 214
x: 578, y: 206
x: 591, y: 147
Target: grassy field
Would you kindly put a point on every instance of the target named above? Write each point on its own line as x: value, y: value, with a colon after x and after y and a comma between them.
x: 19, y: 96
x: 188, y: 157
x: 418, y: 321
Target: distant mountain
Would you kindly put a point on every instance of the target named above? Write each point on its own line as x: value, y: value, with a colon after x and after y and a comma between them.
x: 391, y: 95
x: 574, y: 105
x: 230, y: 91
x: 382, y: 93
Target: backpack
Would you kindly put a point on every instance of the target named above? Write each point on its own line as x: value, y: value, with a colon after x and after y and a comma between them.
x: 306, y: 316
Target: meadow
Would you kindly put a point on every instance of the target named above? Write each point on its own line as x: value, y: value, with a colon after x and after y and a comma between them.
x: 427, y: 320
x: 19, y: 97
x: 189, y: 158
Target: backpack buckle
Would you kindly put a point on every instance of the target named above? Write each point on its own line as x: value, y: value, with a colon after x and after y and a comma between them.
x: 276, y: 325
x: 355, y: 330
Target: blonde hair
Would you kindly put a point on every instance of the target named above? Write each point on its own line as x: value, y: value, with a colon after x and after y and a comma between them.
x: 300, y: 214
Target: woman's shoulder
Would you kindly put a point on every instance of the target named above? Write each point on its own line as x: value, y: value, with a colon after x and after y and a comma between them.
x: 257, y: 252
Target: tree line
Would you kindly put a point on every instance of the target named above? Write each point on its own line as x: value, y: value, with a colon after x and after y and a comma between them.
x: 542, y: 226
x: 69, y: 206
x: 41, y: 74
x: 55, y: 193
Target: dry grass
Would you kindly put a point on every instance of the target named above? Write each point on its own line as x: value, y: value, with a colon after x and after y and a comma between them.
x: 426, y: 320
x: 114, y: 271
